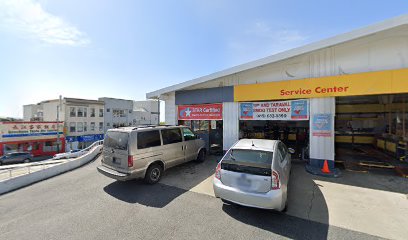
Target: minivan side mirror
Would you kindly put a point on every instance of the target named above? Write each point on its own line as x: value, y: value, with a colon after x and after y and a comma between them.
x: 291, y: 150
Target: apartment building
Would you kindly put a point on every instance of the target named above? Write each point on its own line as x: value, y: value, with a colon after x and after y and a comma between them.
x: 122, y: 112
x: 82, y: 119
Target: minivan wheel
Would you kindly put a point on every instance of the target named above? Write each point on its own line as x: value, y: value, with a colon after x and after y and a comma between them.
x: 153, y: 174
x: 201, y: 156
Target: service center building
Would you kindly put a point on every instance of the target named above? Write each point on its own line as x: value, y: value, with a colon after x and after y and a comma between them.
x: 325, y: 99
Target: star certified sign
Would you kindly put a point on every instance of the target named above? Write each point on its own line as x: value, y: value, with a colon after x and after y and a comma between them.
x: 200, y: 112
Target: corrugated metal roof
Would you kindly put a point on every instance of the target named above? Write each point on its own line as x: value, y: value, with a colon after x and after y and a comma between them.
x: 342, y: 38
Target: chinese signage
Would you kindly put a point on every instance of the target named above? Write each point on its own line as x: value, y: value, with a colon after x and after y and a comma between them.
x: 322, y: 125
x: 200, y: 112
x: 383, y: 82
x: 30, y: 129
x: 278, y: 110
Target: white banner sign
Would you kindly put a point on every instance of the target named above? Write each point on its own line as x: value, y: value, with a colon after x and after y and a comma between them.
x: 278, y: 110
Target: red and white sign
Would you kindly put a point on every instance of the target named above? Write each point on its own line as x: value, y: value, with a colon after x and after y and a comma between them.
x: 200, y: 112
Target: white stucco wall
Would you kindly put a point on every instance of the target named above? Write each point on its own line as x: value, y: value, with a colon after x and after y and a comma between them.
x: 230, y: 124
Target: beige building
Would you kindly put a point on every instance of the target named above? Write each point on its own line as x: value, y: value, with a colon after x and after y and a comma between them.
x: 83, y: 118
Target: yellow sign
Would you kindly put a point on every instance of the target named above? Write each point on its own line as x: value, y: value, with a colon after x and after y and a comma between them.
x: 384, y: 82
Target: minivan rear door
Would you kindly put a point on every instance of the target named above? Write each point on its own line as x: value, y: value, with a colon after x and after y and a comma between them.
x: 247, y: 170
x: 115, y: 150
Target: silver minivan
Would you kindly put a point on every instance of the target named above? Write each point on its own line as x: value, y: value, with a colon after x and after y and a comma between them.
x: 254, y: 173
x: 145, y: 152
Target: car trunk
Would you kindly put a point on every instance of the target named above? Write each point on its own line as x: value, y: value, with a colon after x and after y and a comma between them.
x: 115, y: 150
x: 248, y: 177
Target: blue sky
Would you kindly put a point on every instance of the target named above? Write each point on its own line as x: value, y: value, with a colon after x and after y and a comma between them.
x: 125, y: 48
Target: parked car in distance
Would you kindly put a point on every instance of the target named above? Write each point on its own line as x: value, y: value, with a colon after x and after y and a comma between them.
x: 70, y: 154
x: 16, y: 157
x: 147, y: 151
x: 254, y: 173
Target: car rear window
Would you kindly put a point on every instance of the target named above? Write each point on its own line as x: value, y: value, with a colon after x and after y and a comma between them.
x: 117, y: 140
x: 249, y: 156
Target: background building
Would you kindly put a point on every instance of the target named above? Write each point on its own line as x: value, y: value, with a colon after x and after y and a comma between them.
x: 83, y: 118
x: 39, y: 138
x: 121, y: 112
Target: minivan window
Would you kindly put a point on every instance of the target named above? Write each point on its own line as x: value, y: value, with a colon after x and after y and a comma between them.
x: 117, y: 140
x: 171, y: 136
x: 249, y: 156
x: 148, y: 139
x: 188, y: 134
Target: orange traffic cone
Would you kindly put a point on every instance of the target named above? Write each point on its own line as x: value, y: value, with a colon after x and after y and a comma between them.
x: 325, y: 168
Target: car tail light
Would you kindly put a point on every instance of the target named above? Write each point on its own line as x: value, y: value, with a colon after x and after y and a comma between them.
x: 130, y: 161
x: 218, y: 172
x: 275, y: 180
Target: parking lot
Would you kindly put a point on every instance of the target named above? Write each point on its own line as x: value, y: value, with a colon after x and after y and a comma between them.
x: 182, y: 206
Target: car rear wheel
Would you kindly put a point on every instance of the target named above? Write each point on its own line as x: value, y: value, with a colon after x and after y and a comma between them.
x: 201, y: 156
x: 153, y: 174
x: 26, y: 160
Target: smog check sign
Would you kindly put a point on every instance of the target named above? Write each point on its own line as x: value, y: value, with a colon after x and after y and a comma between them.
x: 200, y: 112
x: 277, y: 110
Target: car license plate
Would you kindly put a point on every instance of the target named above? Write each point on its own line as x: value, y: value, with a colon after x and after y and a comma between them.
x: 243, y: 181
x: 116, y: 160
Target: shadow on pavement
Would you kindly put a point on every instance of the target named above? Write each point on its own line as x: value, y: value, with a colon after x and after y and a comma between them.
x: 278, y: 223
x: 135, y: 191
x: 175, y: 181
x: 307, y: 216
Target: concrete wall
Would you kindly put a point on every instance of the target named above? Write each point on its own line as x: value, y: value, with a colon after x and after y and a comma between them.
x: 230, y: 124
x: 25, y: 180
x: 170, y: 108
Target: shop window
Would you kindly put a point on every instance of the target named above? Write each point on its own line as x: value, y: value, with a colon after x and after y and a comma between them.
x: 148, y: 139
x: 80, y: 112
x: 72, y: 127
x: 92, y: 126
x: 35, y: 146
x: 85, y: 112
x: 92, y: 112
x: 171, y: 136
x: 80, y: 127
x: 188, y: 134
x: 50, y: 146
x: 85, y: 126
x: 101, y: 126
x: 72, y: 112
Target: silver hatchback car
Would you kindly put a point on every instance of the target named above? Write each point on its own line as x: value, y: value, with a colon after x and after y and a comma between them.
x: 254, y: 173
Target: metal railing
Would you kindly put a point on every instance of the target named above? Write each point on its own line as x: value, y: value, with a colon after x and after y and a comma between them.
x: 18, y: 170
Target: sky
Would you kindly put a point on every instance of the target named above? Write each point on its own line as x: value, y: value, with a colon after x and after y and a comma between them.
x: 126, y: 48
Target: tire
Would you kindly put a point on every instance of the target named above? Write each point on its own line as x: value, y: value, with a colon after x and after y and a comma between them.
x: 201, y: 156
x: 27, y: 160
x: 153, y: 174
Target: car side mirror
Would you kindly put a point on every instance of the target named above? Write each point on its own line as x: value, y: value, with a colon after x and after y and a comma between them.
x: 291, y: 150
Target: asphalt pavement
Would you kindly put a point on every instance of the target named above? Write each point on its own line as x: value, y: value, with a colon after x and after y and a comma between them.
x: 83, y: 204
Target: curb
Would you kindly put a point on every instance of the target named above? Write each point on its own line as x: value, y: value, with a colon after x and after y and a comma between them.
x: 28, y: 179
